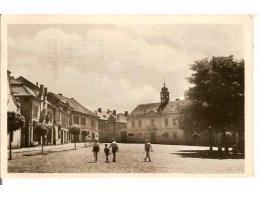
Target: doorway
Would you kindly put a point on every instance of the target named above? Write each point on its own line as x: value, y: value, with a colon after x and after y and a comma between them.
x: 123, y: 136
x: 152, y: 137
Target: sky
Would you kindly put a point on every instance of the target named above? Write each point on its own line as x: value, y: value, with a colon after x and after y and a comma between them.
x: 116, y: 66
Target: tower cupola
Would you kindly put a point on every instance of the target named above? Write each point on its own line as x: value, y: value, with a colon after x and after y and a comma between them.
x: 165, y: 95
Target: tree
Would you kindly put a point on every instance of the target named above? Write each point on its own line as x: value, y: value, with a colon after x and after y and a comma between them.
x: 85, y: 133
x: 14, y: 122
x: 41, y: 130
x: 216, y: 97
x: 75, y: 131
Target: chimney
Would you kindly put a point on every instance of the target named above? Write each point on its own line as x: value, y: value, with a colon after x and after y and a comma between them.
x: 41, y: 90
x: 126, y: 113
x: 37, y: 84
x: 108, y: 111
x: 45, y: 90
x: 114, y: 112
x: 99, y: 110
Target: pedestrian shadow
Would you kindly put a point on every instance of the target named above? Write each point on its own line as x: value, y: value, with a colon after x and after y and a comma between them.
x: 92, y: 162
x: 206, y: 154
x: 36, y: 154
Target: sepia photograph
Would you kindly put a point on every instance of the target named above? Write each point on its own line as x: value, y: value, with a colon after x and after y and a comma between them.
x: 127, y: 94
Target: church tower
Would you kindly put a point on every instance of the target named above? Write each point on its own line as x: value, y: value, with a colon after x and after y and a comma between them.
x: 165, y: 98
x: 165, y: 95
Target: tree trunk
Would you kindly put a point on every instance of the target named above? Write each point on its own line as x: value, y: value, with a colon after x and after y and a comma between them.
x: 10, y: 145
x: 85, y: 142
x: 42, y: 144
x: 225, y: 142
x: 210, y: 142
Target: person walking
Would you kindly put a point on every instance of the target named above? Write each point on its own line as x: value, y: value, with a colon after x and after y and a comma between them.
x: 95, y: 149
x: 115, y: 149
x: 107, y: 153
x: 148, y: 148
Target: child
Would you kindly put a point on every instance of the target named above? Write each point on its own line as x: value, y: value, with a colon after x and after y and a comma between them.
x: 115, y: 149
x: 107, y: 152
x: 147, y: 148
x: 95, y: 149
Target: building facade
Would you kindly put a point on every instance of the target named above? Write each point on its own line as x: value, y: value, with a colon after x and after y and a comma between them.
x: 30, y: 109
x: 13, y: 105
x: 60, y: 113
x: 112, y: 125
x: 40, y: 111
x: 36, y: 104
x: 157, y: 122
x: 80, y: 115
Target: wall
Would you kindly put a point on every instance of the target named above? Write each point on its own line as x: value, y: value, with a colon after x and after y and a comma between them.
x: 11, y: 106
x: 158, y: 132
x: 91, y: 128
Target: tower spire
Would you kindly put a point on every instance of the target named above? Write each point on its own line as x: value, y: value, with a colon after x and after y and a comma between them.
x: 165, y: 95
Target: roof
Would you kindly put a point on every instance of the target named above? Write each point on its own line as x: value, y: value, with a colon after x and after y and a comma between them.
x: 171, y: 107
x: 59, y: 97
x: 15, y: 82
x: 104, y: 115
x: 22, y: 90
x: 121, y: 118
x: 29, y: 84
x: 74, y: 104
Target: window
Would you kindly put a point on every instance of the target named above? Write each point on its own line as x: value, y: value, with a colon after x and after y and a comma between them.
x: 165, y: 134
x: 63, y: 118
x: 175, y: 122
x: 133, y: 124
x: 152, y: 122
x: 57, y: 119
x: 92, y: 123
x: 174, y: 135
x: 35, y: 111
x: 166, y: 122
x: 140, y: 123
x: 83, y: 121
x: 130, y: 134
x: 50, y: 117
x: 76, y: 119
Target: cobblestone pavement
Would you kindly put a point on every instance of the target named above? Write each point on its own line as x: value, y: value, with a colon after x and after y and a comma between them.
x: 165, y: 158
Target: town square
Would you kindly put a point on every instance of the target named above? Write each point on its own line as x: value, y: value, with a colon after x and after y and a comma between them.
x: 165, y: 159
x: 113, y: 98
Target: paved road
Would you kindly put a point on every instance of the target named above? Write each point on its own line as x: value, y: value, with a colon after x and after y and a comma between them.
x: 165, y: 158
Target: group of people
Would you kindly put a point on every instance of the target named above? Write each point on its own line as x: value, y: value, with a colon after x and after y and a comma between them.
x: 114, y: 147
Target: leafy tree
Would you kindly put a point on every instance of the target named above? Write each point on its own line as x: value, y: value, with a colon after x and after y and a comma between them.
x: 41, y: 130
x: 14, y: 122
x: 216, y: 97
x: 75, y: 131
